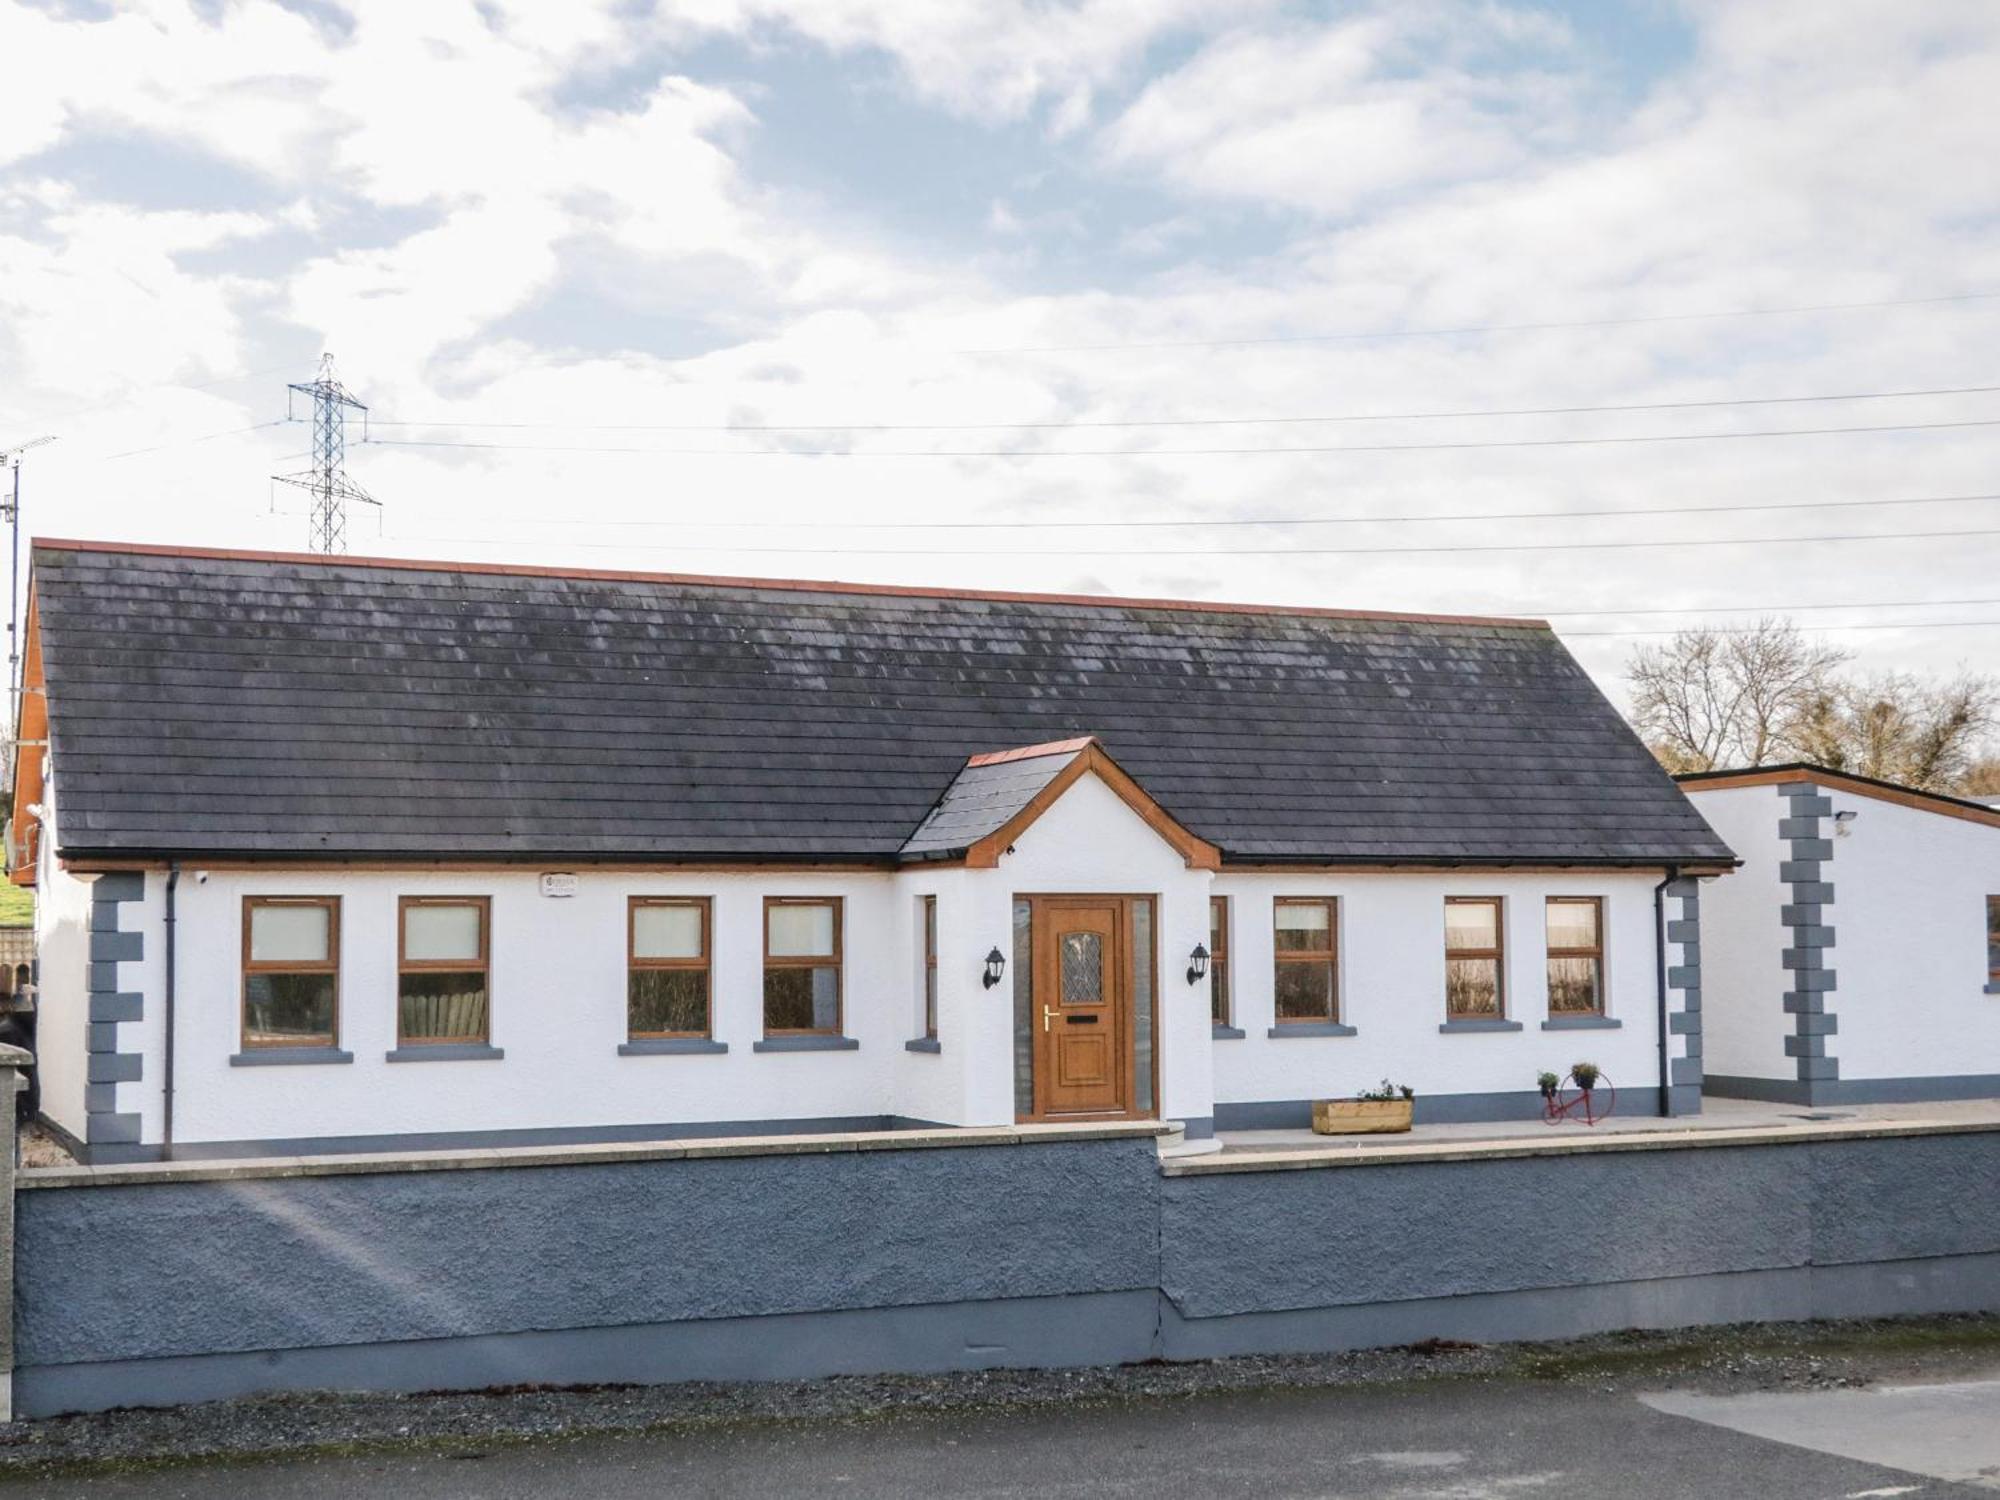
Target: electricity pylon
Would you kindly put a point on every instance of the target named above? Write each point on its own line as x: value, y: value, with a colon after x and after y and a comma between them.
x: 326, y: 481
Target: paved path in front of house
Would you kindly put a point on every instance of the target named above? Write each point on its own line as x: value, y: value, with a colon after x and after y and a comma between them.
x: 1507, y: 1439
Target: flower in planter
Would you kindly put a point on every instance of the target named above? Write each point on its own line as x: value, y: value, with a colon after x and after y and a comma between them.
x: 1548, y: 1083
x: 1586, y: 1075
x: 1387, y: 1091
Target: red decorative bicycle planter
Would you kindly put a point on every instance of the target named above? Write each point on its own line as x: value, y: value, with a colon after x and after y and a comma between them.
x: 1588, y: 1099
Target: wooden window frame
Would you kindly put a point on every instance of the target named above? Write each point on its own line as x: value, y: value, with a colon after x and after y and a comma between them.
x: 837, y: 962
x: 1330, y: 956
x: 1219, y: 985
x: 1595, y: 952
x: 408, y: 965
x: 1992, y: 920
x: 1498, y: 953
x: 928, y: 917
x: 706, y: 963
x: 252, y: 967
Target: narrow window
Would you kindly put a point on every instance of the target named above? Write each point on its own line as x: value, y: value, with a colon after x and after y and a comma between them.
x: 441, y: 971
x: 291, y: 971
x: 1993, y: 940
x: 1473, y: 985
x: 930, y: 967
x: 1306, y: 984
x: 801, y: 966
x: 1576, y: 956
x: 666, y: 981
x: 1218, y: 958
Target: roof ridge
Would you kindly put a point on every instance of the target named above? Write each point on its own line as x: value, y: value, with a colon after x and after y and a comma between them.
x: 807, y: 585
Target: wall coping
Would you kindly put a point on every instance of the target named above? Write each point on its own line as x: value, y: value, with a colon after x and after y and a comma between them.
x: 133, y: 1174
x: 1309, y: 1158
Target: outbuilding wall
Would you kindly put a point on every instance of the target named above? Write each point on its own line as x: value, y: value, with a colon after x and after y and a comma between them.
x: 1875, y: 986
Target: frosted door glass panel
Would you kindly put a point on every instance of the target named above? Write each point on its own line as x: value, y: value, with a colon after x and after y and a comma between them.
x: 441, y: 932
x: 666, y: 932
x: 289, y: 934
x: 801, y: 931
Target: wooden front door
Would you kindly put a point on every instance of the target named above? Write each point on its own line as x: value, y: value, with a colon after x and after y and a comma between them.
x: 1082, y: 1015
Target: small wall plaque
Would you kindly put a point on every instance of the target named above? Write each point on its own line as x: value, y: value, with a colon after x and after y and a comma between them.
x: 558, y: 885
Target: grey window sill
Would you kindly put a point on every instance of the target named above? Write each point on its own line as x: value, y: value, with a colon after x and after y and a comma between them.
x: 1453, y: 1028
x: 923, y: 1044
x: 1581, y: 1023
x: 446, y: 1052
x: 1310, y: 1028
x: 805, y: 1044
x: 1994, y: 988
x: 1221, y: 1033
x: 671, y: 1046
x: 288, y: 1057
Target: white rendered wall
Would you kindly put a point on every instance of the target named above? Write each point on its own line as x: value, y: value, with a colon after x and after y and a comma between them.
x: 1392, y: 968
x: 1743, y: 938
x: 558, y: 983
x: 1090, y: 842
x: 62, y: 951
x: 1909, y: 917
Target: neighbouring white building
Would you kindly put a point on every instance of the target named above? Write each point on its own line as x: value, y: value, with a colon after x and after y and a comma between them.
x: 1855, y: 956
x: 339, y: 853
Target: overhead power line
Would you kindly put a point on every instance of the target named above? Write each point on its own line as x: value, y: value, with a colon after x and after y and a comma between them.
x: 1149, y: 422
x: 1751, y: 609
x: 1567, y: 442
x: 1482, y: 329
x: 1374, y: 519
x: 1211, y: 552
x: 1872, y: 625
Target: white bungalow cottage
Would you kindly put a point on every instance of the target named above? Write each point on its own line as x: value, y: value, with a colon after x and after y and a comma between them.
x: 1855, y: 958
x: 370, y: 853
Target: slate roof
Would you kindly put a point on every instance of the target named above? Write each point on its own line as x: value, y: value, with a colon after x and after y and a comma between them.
x: 218, y: 703
x: 985, y: 795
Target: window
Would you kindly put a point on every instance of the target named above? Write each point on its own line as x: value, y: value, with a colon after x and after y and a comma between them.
x: 929, y: 915
x: 666, y: 977
x: 1576, y: 956
x: 1474, y: 986
x: 1218, y: 958
x: 801, y: 966
x: 291, y: 971
x: 1306, y: 985
x: 441, y: 964
x: 1993, y: 940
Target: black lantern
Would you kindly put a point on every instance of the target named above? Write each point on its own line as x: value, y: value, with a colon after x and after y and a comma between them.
x: 1198, y: 964
x: 996, y: 964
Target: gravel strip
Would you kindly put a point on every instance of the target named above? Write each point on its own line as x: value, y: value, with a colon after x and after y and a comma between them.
x: 1786, y: 1356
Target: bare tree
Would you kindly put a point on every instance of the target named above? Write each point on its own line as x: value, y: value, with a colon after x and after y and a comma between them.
x: 1712, y: 697
x: 1900, y: 727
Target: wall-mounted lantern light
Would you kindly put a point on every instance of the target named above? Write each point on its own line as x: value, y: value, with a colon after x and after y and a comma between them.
x: 1198, y: 964
x: 996, y: 964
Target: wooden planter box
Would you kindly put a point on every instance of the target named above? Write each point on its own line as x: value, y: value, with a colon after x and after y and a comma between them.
x: 1361, y: 1116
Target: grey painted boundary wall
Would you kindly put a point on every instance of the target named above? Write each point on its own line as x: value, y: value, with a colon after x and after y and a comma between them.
x: 1047, y: 1252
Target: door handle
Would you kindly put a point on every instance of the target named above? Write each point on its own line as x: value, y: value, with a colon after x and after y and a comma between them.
x: 1048, y: 1012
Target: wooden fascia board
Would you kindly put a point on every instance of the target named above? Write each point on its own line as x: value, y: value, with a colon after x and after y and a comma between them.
x: 1198, y: 853
x: 31, y: 733
x: 1855, y: 786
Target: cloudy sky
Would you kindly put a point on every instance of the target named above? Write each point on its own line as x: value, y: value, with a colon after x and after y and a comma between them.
x: 908, y: 290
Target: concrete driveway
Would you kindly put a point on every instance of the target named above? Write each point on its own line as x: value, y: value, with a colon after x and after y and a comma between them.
x: 1507, y: 1439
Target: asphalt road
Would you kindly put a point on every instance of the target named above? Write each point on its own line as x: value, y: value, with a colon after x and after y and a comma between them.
x: 1509, y: 1440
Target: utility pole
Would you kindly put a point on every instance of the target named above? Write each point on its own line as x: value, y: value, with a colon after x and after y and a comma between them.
x: 326, y: 481
x: 11, y: 457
